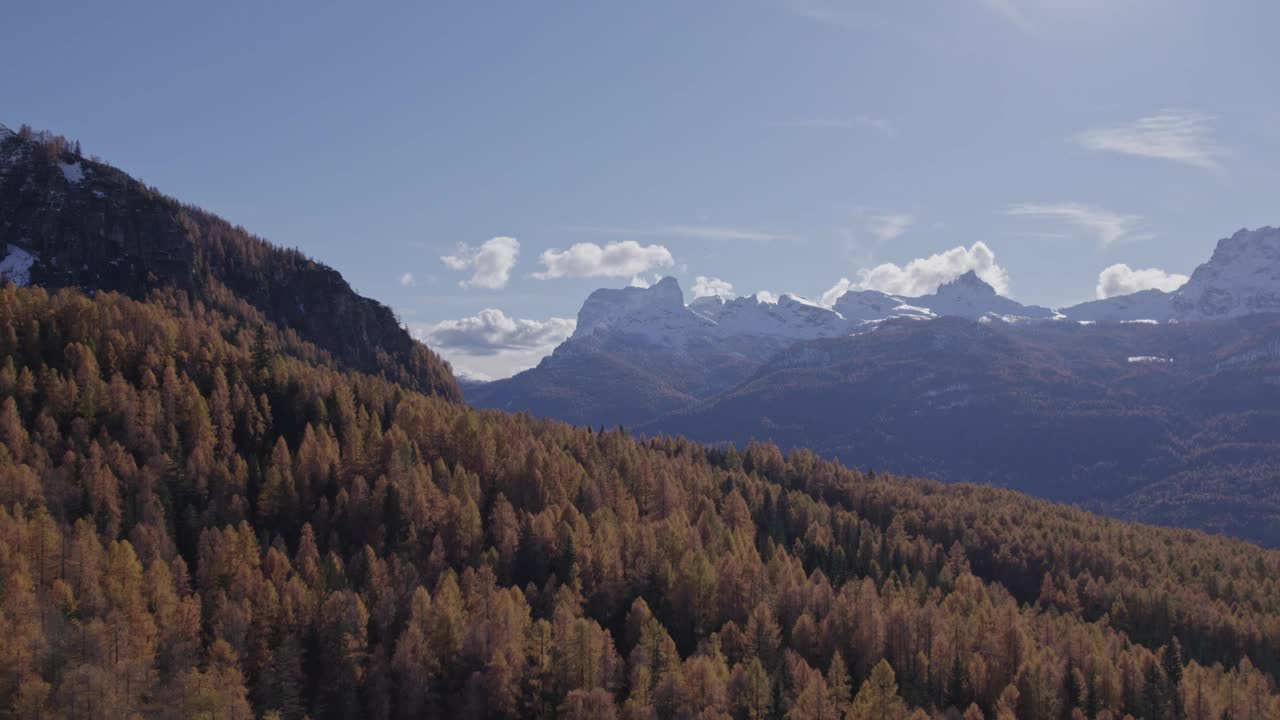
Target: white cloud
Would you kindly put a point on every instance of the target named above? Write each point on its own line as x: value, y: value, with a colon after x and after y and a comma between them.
x: 1107, y: 226
x: 640, y: 281
x: 841, y: 287
x: 1120, y: 279
x: 890, y: 225
x: 922, y: 276
x: 406, y: 280
x: 492, y: 344
x: 704, y: 286
x: 617, y: 259
x: 490, y: 264
x: 1182, y: 137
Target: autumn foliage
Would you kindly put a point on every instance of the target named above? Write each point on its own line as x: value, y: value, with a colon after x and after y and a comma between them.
x: 201, y: 517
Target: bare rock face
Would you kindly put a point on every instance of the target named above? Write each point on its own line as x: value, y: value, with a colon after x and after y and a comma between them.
x: 91, y: 226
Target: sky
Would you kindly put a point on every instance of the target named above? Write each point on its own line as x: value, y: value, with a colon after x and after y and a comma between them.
x: 482, y: 167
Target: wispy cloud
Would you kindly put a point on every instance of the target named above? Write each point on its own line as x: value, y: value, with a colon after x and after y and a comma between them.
x: 716, y: 232
x: 1179, y: 136
x: 407, y: 280
x: 890, y: 225
x: 1010, y: 12
x: 1107, y: 226
x: 858, y: 122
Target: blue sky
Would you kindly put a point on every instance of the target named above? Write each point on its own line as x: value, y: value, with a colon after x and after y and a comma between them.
x: 771, y: 144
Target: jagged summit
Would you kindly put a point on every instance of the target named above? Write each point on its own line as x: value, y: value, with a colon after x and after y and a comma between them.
x: 971, y: 281
x: 787, y: 316
x: 969, y: 296
x: 657, y: 312
x: 1242, y: 277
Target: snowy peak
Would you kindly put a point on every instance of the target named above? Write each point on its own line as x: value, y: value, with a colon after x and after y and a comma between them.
x: 968, y: 283
x: 790, y: 316
x: 654, y: 311
x: 969, y: 296
x: 861, y: 306
x: 658, y: 312
x: 1241, y: 278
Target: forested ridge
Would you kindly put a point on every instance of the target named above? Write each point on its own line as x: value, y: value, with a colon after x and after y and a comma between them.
x: 91, y: 226
x: 203, y: 516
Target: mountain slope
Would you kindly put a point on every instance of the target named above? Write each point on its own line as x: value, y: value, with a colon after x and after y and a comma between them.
x: 970, y: 297
x: 1242, y: 277
x: 88, y: 225
x: 1173, y: 424
x: 191, y: 529
x: 639, y: 353
x: 1157, y: 422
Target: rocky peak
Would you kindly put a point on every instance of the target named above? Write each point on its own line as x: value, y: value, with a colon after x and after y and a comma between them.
x: 968, y: 283
x: 1241, y: 278
x: 969, y: 296
x: 655, y: 310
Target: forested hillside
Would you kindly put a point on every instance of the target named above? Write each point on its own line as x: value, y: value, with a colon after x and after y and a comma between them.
x: 88, y: 225
x: 204, y: 516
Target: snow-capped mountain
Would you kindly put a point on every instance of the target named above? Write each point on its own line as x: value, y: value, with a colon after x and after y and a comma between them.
x: 863, y: 306
x: 1241, y: 278
x: 968, y: 296
x: 657, y: 313
x: 1143, y: 305
x: 638, y: 352
x: 789, y: 316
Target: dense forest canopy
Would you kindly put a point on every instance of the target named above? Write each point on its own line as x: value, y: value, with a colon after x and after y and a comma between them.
x: 205, y: 517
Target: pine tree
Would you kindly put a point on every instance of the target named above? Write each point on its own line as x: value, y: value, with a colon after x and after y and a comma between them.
x: 878, y: 697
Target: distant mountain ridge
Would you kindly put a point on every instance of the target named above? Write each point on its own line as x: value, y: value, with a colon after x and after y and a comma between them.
x: 69, y: 221
x: 1173, y: 422
x: 1241, y: 278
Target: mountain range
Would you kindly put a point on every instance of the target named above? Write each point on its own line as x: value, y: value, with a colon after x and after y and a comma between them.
x: 209, y: 507
x: 1158, y: 406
